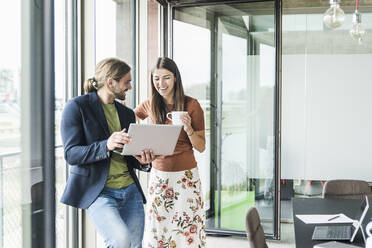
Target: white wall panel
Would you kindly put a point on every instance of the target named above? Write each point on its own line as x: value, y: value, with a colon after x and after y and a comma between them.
x: 327, y: 117
x: 293, y: 117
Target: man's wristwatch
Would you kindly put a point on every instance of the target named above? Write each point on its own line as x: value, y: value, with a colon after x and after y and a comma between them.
x: 146, y: 167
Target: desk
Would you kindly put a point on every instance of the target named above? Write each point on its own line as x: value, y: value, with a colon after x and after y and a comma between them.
x: 304, y: 232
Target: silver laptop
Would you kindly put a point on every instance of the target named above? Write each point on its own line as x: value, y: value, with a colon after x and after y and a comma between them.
x: 342, y: 232
x: 162, y: 139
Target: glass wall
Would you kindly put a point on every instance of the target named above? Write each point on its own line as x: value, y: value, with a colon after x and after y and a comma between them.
x: 14, y: 222
x: 24, y: 123
x: 326, y: 99
x: 226, y: 55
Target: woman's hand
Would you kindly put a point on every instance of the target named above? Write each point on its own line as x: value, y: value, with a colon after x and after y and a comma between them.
x: 197, y: 138
x: 118, y: 140
x: 147, y: 156
x: 186, y: 120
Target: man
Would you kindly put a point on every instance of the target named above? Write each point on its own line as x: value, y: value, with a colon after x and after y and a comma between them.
x: 101, y: 181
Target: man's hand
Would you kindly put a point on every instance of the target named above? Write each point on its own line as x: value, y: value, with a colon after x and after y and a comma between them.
x: 118, y: 140
x: 146, y: 157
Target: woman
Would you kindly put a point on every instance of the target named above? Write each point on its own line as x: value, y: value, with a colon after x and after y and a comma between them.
x: 174, y: 215
x: 102, y: 182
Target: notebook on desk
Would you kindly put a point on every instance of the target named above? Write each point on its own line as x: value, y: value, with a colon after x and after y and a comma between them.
x: 342, y: 232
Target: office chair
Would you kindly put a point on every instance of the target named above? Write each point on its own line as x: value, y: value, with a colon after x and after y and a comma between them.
x: 346, y: 189
x: 255, y: 233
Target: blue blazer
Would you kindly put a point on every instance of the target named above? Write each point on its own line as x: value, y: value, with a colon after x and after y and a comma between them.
x: 84, y: 132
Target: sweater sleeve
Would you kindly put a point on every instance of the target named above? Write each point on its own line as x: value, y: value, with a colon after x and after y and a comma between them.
x: 142, y: 110
x: 197, y: 116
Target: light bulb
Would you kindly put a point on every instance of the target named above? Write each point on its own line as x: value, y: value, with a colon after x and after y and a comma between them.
x: 334, y: 16
x: 357, y: 31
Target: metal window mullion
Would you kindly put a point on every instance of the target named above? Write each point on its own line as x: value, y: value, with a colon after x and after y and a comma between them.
x: 170, y: 31
x: 72, y: 90
x: 165, y: 30
x: 277, y: 123
x: 219, y: 103
x: 48, y: 133
x: 134, y: 57
x: 213, y: 117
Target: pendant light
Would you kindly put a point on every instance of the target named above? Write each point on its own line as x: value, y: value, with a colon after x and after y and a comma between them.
x: 334, y: 16
x: 357, y: 31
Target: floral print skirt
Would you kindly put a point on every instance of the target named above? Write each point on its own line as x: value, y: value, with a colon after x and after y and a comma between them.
x: 174, y: 213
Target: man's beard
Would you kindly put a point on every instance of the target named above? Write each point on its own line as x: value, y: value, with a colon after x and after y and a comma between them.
x: 119, y: 95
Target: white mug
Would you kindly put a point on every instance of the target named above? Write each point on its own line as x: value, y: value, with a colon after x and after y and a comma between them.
x: 176, y: 117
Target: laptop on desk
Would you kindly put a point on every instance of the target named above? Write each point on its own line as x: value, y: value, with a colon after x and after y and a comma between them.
x: 343, y: 232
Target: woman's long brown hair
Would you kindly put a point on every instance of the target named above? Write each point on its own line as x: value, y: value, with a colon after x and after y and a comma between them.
x: 158, y: 105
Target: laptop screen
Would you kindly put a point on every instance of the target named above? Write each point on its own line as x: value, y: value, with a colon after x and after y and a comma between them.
x: 362, y: 211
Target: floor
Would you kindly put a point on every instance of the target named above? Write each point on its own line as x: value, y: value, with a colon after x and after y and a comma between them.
x: 287, y: 232
x: 287, y: 238
x: 286, y: 241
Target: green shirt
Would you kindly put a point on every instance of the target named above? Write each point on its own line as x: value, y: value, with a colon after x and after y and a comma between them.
x: 119, y: 176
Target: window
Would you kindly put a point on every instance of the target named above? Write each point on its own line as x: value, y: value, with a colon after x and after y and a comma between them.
x: 11, y: 171
x: 61, y: 95
x: 24, y: 122
x: 326, y: 101
x: 115, y: 34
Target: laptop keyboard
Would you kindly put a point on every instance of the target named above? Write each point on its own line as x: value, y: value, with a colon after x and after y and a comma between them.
x: 339, y: 232
x: 332, y: 233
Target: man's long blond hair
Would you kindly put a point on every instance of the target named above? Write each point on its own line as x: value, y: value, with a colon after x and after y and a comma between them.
x: 108, y: 68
